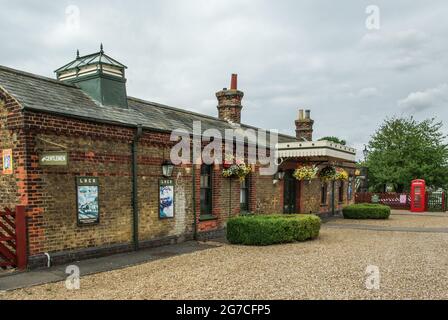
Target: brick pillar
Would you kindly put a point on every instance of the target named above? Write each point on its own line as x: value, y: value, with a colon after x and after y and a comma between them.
x: 229, y: 102
x: 304, y: 126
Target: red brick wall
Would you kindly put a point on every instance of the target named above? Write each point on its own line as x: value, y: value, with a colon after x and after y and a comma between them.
x: 104, y: 151
x: 10, y: 121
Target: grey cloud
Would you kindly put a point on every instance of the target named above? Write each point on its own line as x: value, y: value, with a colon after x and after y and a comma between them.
x: 425, y: 100
x: 288, y: 54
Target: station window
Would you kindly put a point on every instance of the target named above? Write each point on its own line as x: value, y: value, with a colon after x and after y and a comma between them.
x: 206, y: 190
x: 244, y: 195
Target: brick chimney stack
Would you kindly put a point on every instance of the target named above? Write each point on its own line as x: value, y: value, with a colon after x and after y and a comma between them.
x: 304, y: 126
x: 229, y: 102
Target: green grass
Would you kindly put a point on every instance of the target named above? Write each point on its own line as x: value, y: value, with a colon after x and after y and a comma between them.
x: 263, y: 230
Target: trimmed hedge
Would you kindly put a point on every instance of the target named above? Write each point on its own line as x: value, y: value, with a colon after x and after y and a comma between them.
x: 263, y: 230
x: 366, y: 211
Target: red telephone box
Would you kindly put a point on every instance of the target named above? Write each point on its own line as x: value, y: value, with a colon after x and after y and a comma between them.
x: 418, y: 195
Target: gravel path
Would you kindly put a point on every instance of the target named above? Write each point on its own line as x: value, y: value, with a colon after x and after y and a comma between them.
x: 408, y: 221
x: 412, y: 266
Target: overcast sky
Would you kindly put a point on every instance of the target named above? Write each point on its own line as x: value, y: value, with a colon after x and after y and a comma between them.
x: 317, y: 55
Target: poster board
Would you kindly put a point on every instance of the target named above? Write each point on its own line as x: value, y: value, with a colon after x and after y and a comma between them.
x: 166, y: 199
x: 7, y: 161
x: 87, y: 200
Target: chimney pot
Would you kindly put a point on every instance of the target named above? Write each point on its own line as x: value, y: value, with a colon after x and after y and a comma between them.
x: 307, y: 114
x: 300, y: 114
x: 234, y: 82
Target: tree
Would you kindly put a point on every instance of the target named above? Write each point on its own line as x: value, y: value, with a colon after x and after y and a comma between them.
x: 403, y: 149
x: 334, y: 139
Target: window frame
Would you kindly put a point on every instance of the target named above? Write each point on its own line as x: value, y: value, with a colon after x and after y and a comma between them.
x: 245, y: 207
x: 209, y: 192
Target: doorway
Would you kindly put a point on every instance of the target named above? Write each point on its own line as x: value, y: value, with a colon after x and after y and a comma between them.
x: 289, y: 193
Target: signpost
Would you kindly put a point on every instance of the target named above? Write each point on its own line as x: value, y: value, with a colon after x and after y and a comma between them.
x: 53, y: 158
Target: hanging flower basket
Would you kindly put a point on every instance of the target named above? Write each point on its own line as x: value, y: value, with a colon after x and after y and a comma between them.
x: 226, y: 165
x: 237, y: 169
x: 327, y: 174
x: 331, y: 173
x: 305, y: 173
x: 228, y: 161
x: 341, y: 174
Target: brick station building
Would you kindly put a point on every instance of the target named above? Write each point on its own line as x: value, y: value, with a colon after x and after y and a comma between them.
x: 89, y: 131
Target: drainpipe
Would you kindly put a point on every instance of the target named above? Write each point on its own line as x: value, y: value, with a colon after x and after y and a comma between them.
x: 48, y: 259
x: 137, y: 136
x: 195, y: 224
x: 230, y: 198
x: 332, y: 198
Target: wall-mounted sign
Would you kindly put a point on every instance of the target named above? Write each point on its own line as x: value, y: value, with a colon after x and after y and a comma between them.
x: 7, y: 161
x: 87, y: 198
x: 375, y: 198
x: 403, y: 199
x: 166, y: 199
x: 53, y: 158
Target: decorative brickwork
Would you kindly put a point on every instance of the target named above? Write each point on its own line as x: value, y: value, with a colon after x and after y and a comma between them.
x: 229, y: 105
x: 304, y: 126
x: 10, y: 119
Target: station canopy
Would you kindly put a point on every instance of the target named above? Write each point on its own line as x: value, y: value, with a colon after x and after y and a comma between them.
x: 316, y: 151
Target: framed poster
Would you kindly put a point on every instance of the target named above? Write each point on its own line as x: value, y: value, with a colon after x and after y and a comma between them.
x: 87, y: 200
x: 166, y: 199
x: 7, y: 161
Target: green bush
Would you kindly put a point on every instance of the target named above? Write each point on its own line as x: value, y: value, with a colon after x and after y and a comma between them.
x: 366, y: 211
x: 263, y: 230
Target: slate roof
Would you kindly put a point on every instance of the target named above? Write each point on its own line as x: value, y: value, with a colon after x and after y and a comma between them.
x: 43, y: 94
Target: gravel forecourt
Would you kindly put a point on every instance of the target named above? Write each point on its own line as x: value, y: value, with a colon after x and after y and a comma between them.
x: 412, y: 266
